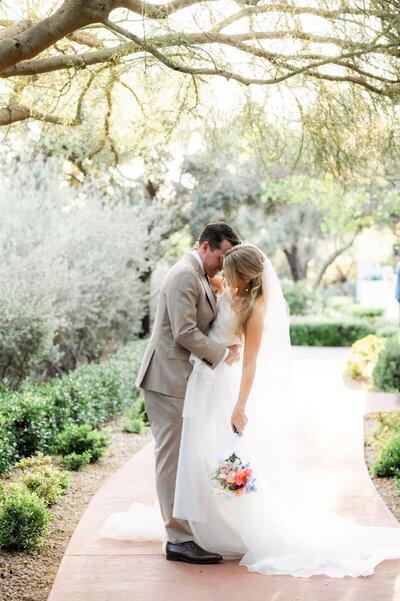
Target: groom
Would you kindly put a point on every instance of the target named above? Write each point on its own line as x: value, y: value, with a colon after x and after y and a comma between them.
x: 186, y: 308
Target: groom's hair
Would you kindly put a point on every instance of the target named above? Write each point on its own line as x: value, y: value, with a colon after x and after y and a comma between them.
x: 215, y: 233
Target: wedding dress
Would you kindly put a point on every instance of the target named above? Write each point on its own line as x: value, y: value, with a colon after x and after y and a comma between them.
x: 281, y: 528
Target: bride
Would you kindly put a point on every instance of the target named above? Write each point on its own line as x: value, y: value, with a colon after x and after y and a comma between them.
x: 280, y: 528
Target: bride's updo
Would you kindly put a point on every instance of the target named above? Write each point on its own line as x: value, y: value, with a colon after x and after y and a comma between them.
x: 246, y: 261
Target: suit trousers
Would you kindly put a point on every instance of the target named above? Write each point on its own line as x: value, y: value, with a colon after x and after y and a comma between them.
x: 165, y: 417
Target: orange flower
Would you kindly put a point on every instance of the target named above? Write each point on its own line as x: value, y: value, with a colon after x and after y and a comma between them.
x: 242, y: 477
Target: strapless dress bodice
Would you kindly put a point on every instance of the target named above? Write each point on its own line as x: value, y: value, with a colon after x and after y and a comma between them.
x: 223, y: 329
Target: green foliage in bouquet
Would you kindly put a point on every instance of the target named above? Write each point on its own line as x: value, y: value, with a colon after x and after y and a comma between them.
x: 363, y: 357
x: 23, y: 517
x: 386, y: 373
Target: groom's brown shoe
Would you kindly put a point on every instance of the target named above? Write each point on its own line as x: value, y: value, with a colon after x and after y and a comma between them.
x: 191, y: 552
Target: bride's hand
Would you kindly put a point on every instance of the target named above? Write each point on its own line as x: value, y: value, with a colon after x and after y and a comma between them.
x: 239, y: 420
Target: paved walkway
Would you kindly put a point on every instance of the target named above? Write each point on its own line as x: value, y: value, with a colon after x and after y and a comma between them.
x: 330, y: 452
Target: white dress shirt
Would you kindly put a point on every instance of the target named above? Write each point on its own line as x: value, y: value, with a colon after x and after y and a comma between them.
x: 200, y: 262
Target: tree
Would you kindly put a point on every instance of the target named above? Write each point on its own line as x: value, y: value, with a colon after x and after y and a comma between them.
x: 73, y: 264
x: 219, y: 187
x: 313, y: 221
x: 354, y: 43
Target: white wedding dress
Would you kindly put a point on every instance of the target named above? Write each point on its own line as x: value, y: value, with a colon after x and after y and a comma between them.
x: 281, y: 528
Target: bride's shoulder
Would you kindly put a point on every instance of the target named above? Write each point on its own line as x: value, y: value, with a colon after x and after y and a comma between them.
x: 257, y: 316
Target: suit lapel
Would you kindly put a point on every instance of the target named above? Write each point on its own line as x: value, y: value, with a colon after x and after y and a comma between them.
x: 204, y: 282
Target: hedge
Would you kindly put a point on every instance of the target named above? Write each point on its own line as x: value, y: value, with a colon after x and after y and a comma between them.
x: 386, y: 374
x: 324, y: 331
x: 32, y: 418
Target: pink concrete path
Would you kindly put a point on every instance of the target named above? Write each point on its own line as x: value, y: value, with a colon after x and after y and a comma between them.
x: 330, y: 453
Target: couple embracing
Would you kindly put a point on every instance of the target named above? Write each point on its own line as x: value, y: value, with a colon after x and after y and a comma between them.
x: 218, y: 362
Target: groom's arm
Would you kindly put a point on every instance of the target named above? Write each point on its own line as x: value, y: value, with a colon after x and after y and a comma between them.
x: 182, y: 294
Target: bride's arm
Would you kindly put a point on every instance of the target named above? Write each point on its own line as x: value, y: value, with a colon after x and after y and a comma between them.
x: 252, y: 341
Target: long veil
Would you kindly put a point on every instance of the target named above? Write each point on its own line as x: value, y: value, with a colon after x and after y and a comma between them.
x: 298, y: 535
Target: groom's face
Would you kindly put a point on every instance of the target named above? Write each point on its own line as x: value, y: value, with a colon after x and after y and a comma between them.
x: 212, y: 258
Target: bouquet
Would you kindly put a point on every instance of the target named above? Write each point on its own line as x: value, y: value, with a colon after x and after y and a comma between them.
x: 234, y: 475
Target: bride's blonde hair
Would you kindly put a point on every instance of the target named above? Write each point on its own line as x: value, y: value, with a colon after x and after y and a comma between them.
x: 247, y: 261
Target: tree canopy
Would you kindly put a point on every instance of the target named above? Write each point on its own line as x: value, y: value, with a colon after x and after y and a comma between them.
x: 260, y: 42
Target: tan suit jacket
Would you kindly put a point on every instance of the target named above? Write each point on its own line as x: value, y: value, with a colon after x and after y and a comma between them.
x: 186, y: 309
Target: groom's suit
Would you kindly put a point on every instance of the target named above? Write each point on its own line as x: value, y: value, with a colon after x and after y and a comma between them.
x: 186, y: 309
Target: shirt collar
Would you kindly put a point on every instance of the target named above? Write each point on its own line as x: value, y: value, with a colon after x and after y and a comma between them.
x: 198, y: 258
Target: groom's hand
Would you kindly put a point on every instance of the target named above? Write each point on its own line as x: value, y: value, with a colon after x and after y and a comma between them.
x: 233, y: 354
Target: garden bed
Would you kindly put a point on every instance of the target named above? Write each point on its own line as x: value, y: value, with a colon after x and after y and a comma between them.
x: 29, y: 575
x: 386, y: 487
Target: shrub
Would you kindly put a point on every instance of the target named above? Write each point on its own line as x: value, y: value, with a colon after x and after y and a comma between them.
x: 40, y: 476
x: 133, y: 426
x: 364, y: 312
x: 336, y: 303
x: 23, y: 518
x: 299, y: 297
x: 78, y: 257
x: 8, y: 446
x: 35, y: 462
x: 386, y: 373
x: 387, y: 424
x: 64, y: 481
x: 30, y: 420
x: 82, y: 438
x: 364, y: 355
x: 323, y: 331
x: 26, y: 418
x: 388, y: 331
x: 45, y: 483
x: 26, y: 335
x: 388, y: 463
x: 77, y: 461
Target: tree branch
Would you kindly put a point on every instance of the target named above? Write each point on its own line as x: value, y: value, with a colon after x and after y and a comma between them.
x: 300, y: 10
x: 332, y: 258
x: 69, y: 61
x: 13, y: 113
x: 86, y: 38
x: 14, y: 29
x: 72, y: 15
x: 156, y: 11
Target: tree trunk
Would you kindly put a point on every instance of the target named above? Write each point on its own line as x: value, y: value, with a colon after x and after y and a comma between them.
x: 331, y: 259
x: 298, y: 269
x: 145, y: 322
